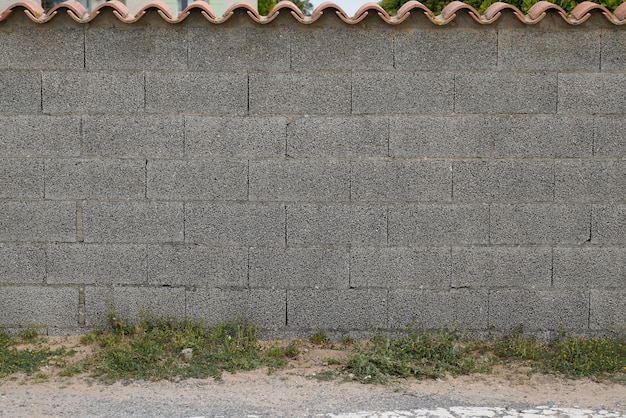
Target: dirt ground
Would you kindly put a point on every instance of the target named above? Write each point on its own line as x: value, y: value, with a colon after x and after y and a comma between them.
x: 306, y: 378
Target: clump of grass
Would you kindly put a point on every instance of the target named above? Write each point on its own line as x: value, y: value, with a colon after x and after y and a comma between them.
x: 319, y: 338
x: 568, y: 355
x: 578, y: 356
x: 167, y: 348
x: 419, y: 355
x: 28, y: 359
x: 432, y: 355
x: 517, y: 347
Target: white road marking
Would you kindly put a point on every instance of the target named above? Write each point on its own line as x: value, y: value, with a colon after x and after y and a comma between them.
x: 480, y: 412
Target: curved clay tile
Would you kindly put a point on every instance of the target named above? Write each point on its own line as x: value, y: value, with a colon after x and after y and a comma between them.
x: 118, y: 8
x: 205, y: 9
x: 293, y: 9
x: 366, y: 9
x: 620, y: 14
x: 449, y: 12
x: 360, y: 14
x: 494, y: 11
x: 73, y: 8
x: 162, y: 9
x: 319, y: 11
x: 536, y: 13
x: 405, y: 11
x: 251, y: 11
x: 583, y: 11
x: 33, y: 10
x: 540, y: 9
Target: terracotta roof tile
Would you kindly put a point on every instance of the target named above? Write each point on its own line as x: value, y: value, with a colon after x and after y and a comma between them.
x: 536, y: 13
x: 119, y: 9
x: 33, y: 10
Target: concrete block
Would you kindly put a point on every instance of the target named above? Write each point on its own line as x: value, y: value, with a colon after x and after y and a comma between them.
x: 39, y: 306
x: 258, y: 48
x: 78, y: 92
x: 612, y: 51
x: 235, y: 223
x: 443, y: 49
x: 401, y: 181
x: 264, y: 308
x: 609, y: 137
x: 353, y: 137
x: 593, y: 93
x: 261, y: 137
x: 41, y: 48
x: 395, y: 92
x: 40, y: 135
x: 503, y: 181
x: 136, y: 48
x: 439, y: 136
x: 208, y: 93
x: 36, y: 47
x: 108, y: 264
x: 136, y: 222
x: 37, y: 221
x: 133, y: 136
x: 539, y: 310
x: 542, y: 136
x: 587, y: 181
x: 608, y: 224
x: 539, y: 224
x: 530, y: 48
x: 22, y: 263
x: 434, y: 309
x: 300, y: 93
x: 198, y: 179
x: 608, y: 310
x: 298, y: 180
x: 345, y: 48
x: 337, y: 310
x: 95, y: 179
x: 589, y: 268
x: 400, y: 267
x: 131, y: 303
x: 336, y: 224
x: 505, y: 92
x: 436, y: 224
x: 196, y: 265
x: 292, y: 268
x: 490, y: 267
x: 21, y: 178
x: 20, y: 92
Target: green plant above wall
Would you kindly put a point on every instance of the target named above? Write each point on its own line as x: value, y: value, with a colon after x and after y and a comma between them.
x: 436, y: 6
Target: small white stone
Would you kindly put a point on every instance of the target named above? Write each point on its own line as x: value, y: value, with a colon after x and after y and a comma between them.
x: 187, y: 353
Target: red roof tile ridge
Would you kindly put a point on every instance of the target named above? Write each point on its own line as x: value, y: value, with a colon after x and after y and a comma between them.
x: 33, y: 10
x: 451, y: 9
x: 205, y: 9
x: 293, y: 10
x: 540, y: 9
x: 405, y: 11
x: 619, y: 14
x: 365, y: 10
x: 494, y: 12
x: 319, y: 11
x: 536, y: 13
x: 73, y: 8
x: 161, y: 8
x: 119, y: 9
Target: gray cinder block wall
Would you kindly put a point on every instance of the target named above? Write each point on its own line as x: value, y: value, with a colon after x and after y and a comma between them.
x: 327, y: 176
